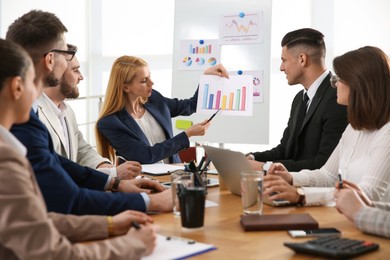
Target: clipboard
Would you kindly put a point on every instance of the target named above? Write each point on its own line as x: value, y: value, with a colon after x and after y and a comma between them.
x: 170, y: 247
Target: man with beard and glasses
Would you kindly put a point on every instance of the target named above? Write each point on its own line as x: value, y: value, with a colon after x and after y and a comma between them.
x: 60, y: 120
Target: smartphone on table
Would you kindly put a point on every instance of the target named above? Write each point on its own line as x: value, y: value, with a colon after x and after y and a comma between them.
x: 314, y: 232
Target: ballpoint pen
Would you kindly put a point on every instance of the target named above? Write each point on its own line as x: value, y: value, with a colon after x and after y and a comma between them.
x: 135, y: 225
x: 340, y: 180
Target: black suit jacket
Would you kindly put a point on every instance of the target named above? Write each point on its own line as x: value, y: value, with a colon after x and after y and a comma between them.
x: 66, y: 186
x: 321, y: 130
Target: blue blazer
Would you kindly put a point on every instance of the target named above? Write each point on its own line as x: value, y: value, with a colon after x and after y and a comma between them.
x: 321, y: 130
x: 66, y: 186
x: 127, y: 138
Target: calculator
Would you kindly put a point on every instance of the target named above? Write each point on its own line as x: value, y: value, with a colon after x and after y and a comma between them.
x: 333, y: 247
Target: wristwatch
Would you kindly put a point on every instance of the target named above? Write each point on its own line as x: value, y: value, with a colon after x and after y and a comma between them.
x: 302, y: 197
x: 115, y: 185
x: 266, y: 166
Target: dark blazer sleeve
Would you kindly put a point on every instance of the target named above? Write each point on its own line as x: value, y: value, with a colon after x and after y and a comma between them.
x: 127, y: 138
x: 59, y: 190
x: 319, y: 136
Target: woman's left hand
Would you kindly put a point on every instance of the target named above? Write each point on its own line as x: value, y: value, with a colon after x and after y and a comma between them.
x: 218, y: 70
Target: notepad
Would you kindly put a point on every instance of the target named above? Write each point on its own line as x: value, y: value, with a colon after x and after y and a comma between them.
x: 278, y: 222
x: 177, y: 248
x: 160, y: 168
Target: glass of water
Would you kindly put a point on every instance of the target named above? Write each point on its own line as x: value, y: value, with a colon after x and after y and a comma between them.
x: 252, y: 192
x: 180, y: 178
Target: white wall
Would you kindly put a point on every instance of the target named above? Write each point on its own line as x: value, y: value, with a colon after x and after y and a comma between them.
x: 106, y: 29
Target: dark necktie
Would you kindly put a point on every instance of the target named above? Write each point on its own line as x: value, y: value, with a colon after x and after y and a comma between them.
x: 301, y: 114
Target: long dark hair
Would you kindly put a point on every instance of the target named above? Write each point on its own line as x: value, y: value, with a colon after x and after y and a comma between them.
x: 367, y: 72
x: 14, y: 61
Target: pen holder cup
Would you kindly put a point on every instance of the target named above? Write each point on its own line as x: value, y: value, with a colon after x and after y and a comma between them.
x: 200, y: 178
x: 192, y: 206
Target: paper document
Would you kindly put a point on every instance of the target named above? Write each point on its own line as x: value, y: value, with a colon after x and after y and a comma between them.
x: 177, y: 248
x: 160, y: 168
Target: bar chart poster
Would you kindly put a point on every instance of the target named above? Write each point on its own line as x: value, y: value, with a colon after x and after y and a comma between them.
x: 241, y: 28
x: 199, y: 54
x: 234, y: 95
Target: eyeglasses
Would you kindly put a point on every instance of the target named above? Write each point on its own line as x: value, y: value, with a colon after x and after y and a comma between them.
x: 333, y: 80
x: 69, y: 54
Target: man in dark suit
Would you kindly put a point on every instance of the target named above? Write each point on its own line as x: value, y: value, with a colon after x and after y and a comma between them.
x: 66, y: 186
x: 316, y: 120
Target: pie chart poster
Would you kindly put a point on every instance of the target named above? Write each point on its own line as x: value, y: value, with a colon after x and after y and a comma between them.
x: 199, y: 54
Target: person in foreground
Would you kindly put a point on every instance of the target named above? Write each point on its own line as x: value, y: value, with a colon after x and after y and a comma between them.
x: 60, y: 120
x: 316, y: 120
x: 362, y: 155
x: 28, y: 231
x: 66, y: 186
x: 369, y: 216
x: 135, y: 120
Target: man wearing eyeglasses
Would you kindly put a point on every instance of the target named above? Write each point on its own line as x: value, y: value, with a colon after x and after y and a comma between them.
x: 60, y: 120
x: 316, y: 120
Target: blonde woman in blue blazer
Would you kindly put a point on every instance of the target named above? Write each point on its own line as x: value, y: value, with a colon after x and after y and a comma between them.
x: 135, y: 121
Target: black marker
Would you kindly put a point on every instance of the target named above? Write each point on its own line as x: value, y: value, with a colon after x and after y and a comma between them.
x: 135, y: 225
x: 201, y: 163
x: 213, y: 115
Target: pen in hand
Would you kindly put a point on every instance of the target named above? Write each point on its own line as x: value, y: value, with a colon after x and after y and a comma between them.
x: 340, y: 180
x: 135, y: 225
x: 216, y: 112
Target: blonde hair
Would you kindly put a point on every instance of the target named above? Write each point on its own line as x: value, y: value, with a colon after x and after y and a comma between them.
x: 122, y: 72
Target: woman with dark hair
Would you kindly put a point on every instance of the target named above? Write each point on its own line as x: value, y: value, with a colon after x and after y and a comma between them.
x: 28, y: 231
x: 362, y: 156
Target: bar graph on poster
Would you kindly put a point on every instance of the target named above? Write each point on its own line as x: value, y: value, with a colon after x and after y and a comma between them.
x: 234, y: 95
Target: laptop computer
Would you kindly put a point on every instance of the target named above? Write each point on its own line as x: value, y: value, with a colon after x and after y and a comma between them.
x: 229, y: 164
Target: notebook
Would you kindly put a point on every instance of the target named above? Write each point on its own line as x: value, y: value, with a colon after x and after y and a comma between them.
x: 278, y: 222
x: 229, y: 165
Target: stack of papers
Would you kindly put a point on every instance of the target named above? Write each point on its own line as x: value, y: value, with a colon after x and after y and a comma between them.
x: 160, y: 168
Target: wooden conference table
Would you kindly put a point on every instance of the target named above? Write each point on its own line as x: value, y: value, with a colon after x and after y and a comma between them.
x: 222, y: 229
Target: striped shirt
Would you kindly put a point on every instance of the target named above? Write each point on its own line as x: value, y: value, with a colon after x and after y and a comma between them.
x: 374, y: 220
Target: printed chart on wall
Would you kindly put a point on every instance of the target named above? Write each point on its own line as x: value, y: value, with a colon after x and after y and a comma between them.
x: 234, y: 95
x: 199, y: 54
x: 241, y: 28
x: 257, y: 82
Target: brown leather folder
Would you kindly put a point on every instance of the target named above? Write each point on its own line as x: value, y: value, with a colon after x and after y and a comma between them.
x: 278, y: 222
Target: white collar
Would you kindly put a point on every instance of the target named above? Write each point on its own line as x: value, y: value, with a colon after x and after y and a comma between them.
x: 315, y: 85
x: 60, y: 110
